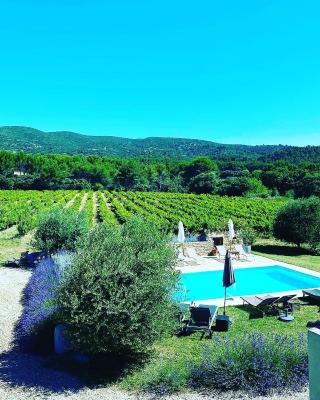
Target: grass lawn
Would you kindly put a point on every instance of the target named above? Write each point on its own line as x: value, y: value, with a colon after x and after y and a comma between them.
x: 278, y: 251
x: 173, y: 355
x: 11, y: 245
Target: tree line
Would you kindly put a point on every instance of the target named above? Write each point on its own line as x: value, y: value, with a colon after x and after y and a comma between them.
x: 260, y: 178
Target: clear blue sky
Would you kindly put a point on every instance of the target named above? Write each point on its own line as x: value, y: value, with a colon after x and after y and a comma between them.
x: 228, y: 71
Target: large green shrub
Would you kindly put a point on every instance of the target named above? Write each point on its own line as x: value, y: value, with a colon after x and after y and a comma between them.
x: 25, y: 223
x: 117, y: 297
x: 299, y: 222
x: 60, y: 229
x: 248, y: 236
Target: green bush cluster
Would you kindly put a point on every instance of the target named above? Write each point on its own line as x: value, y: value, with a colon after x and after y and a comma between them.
x: 117, y: 296
x: 26, y: 222
x: 60, y: 229
x: 248, y: 236
x: 298, y: 222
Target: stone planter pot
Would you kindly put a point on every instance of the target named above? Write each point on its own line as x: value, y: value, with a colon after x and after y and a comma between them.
x: 247, y: 249
x: 61, y: 343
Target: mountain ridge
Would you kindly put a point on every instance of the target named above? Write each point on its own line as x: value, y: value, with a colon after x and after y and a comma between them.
x: 31, y: 140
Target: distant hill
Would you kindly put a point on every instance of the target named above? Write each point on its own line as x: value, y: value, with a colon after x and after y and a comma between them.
x: 16, y: 138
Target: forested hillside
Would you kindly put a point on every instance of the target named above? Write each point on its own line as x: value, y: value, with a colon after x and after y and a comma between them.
x: 19, y: 138
x: 252, y: 178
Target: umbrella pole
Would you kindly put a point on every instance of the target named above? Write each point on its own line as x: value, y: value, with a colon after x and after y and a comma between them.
x: 225, y: 298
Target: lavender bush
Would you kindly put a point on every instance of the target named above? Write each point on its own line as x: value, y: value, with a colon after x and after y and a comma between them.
x: 254, y: 363
x: 39, y: 299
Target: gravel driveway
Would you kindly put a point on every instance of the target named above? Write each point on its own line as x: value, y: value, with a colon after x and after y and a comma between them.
x: 24, y: 377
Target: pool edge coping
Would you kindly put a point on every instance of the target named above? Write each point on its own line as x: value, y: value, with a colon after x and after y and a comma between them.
x: 237, y: 300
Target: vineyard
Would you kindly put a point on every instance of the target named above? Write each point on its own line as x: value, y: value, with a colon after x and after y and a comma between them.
x: 198, y: 212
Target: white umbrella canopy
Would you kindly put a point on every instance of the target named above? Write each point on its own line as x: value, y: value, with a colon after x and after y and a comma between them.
x: 181, y: 235
x: 231, y: 232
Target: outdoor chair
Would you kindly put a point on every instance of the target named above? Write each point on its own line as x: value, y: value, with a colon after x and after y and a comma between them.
x: 201, y: 320
x: 222, y: 251
x: 314, y: 294
x: 262, y: 304
x: 184, y: 259
x: 286, y: 303
x: 242, y: 254
x: 193, y: 255
x: 285, y: 307
x: 182, y: 313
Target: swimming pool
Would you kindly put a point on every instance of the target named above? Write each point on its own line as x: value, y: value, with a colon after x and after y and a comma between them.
x: 206, y: 285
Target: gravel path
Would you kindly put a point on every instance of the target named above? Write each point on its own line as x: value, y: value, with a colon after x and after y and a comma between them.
x: 24, y: 376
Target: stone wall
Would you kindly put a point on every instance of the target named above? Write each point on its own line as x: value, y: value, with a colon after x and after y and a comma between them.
x: 203, y: 248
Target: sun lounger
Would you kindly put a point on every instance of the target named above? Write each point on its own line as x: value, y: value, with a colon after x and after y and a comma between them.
x: 312, y: 293
x: 286, y: 301
x: 184, y: 259
x: 262, y: 304
x: 285, y: 307
x: 193, y: 255
x: 202, y: 318
x: 242, y: 254
x: 222, y: 251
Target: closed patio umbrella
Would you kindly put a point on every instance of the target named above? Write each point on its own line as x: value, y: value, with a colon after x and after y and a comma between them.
x: 231, y: 232
x: 228, y: 277
x: 181, y: 235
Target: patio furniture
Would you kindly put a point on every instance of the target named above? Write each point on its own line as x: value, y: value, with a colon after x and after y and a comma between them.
x: 202, y: 318
x: 286, y: 302
x: 182, y: 311
x: 286, y: 308
x: 242, y: 254
x: 286, y: 315
x: 184, y: 259
x: 312, y: 293
x: 222, y: 251
x: 235, y: 254
x: 313, y: 324
x: 223, y: 322
x: 193, y: 255
x: 263, y: 304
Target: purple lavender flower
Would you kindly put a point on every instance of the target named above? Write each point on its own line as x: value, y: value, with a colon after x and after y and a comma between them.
x: 40, y: 293
x: 255, y: 363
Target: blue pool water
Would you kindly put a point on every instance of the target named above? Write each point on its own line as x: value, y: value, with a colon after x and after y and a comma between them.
x: 249, y: 281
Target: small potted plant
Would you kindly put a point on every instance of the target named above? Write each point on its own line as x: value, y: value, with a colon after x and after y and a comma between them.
x: 248, y: 236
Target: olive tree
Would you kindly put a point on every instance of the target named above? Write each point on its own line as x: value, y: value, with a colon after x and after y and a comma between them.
x: 117, y: 296
x: 298, y: 222
x: 60, y: 229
